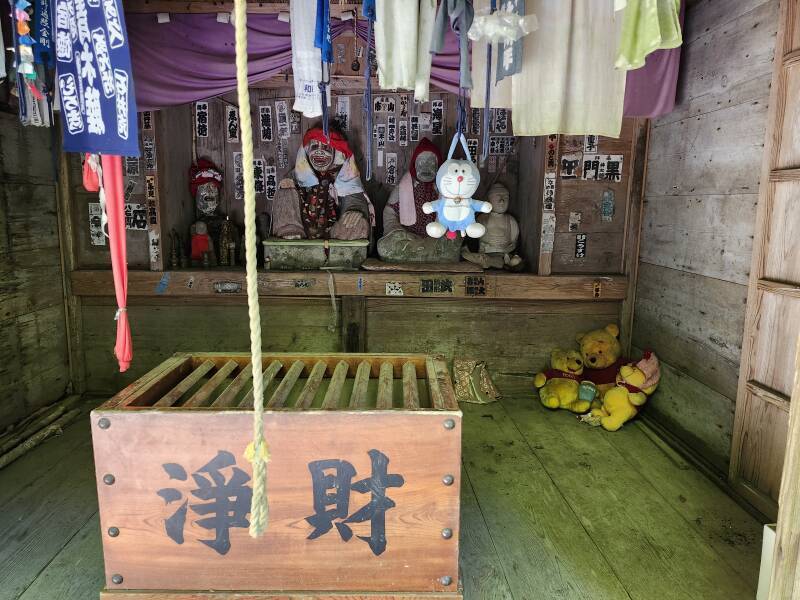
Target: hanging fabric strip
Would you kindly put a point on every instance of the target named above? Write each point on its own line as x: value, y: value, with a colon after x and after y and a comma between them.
x: 322, y: 40
x: 368, y: 11
x: 487, y: 95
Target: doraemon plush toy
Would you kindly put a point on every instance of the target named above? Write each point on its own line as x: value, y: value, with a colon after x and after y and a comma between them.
x: 455, y: 209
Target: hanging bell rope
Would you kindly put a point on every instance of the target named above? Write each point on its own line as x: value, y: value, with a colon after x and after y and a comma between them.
x: 257, y: 452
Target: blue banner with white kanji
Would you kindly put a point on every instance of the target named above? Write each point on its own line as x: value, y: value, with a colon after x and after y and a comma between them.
x: 95, y: 82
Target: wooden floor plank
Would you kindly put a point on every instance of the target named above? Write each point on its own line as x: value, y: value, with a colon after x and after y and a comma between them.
x: 46, y: 514
x: 37, y: 464
x: 654, y: 552
x: 76, y: 572
x: 545, y: 551
x: 481, y: 569
x: 725, y: 526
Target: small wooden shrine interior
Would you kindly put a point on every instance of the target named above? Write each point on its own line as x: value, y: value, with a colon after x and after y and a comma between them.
x: 678, y: 238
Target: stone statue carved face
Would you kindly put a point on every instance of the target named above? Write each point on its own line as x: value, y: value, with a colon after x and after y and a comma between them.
x: 320, y: 155
x: 426, y: 166
x: 498, y: 198
x: 207, y: 199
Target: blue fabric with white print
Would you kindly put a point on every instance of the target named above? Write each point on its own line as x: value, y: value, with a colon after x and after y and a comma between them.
x: 94, y: 77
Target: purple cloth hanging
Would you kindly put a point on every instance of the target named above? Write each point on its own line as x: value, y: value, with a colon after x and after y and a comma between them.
x: 192, y: 57
x: 650, y: 91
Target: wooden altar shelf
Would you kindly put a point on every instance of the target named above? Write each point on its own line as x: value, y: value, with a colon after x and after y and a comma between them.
x: 501, y: 286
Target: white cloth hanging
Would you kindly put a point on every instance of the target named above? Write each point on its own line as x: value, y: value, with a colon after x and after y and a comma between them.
x: 568, y: 82
x: 396, y: 25
x: 306, y: 59
x: 427, y: 18
x: 403, y: 32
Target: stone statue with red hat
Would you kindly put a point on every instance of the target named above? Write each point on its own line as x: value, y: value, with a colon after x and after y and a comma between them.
x: 404, y: 236
x: 323, y: 198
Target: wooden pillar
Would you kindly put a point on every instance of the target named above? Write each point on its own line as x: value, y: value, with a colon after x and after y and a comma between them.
x: 354, y: 324
x: 785, y: 579
x: 633, y: 227
x: 72, y: 303
x: 767, y: 377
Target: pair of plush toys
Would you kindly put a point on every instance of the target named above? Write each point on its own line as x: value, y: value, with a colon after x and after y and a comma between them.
x: 597, y: 378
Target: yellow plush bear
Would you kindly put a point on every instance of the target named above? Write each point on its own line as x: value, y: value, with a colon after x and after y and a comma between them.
x: 559, y: 384
x: 601, y: 351
x: 621, y: 403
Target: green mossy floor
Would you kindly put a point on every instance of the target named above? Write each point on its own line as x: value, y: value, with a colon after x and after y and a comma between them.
x: 550, y: 509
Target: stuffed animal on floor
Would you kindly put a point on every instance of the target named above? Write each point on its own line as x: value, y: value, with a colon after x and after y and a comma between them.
x: 635, y: 383
x: 559, y: 385
x: 601, y: 352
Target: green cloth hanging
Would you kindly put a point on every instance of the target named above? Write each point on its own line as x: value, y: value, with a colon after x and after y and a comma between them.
x: 647, y: 26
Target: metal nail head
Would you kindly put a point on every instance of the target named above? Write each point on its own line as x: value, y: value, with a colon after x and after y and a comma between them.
x: 448, y: 479
x: 113, y: 531
x: 116, y: 579
x: 447, y: 533
x: 104, y: 423
x: 445, y: 580
x: 109, y: 479
x: 449, y: 423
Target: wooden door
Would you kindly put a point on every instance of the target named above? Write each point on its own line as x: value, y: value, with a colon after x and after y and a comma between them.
x: 772, y: 321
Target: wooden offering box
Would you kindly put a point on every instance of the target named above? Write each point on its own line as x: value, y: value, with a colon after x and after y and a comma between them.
x: 363, y: 479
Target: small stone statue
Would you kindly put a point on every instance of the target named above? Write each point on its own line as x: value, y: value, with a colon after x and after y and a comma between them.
x: 404, y: 222
x: 496, y: 250
x: 324, y: 198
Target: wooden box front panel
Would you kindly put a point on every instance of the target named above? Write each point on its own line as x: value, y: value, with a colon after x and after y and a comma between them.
x: 179, y: 529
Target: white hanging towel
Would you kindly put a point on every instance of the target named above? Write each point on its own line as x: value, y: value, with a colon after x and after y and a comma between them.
x: 568, y: 82
x: 427, y: 18
x: 396, y: 25
x: 306, y: 59
x: 501, y: 90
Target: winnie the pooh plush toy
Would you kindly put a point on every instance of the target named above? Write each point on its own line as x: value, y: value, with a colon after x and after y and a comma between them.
x: 601, y: 353
x: 558, y: 385
x: 621, y: 403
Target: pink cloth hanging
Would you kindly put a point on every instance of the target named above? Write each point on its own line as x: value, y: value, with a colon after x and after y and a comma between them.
x: 115, y: 208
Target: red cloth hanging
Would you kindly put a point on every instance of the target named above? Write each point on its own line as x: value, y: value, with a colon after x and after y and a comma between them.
x: 115, y: 208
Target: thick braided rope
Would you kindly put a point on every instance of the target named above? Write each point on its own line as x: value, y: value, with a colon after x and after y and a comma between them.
x: 257, y: 452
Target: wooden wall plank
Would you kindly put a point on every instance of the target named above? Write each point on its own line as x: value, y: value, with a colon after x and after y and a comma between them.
x: 714, y: 153
x: 465, y: 329
x: 698, y: 415
x: 34, y: 366
x: 697, y: 236
x: 160, y: 330
x: 729, y: 62
x: 711, y: 235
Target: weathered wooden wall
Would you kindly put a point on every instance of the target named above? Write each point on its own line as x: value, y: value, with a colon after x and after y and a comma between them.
x: 701, y: 192
x: 452, y: 327
x: 34, y: 369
